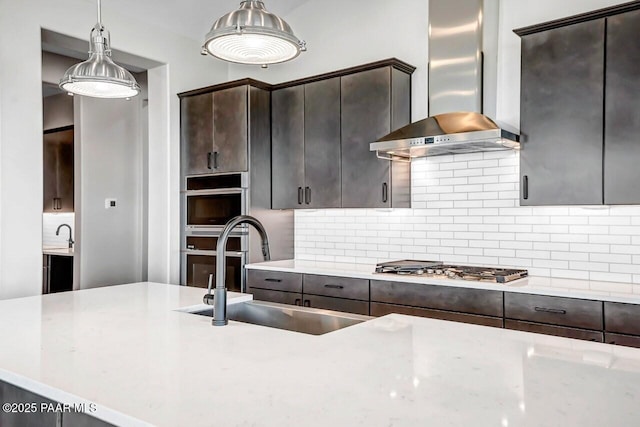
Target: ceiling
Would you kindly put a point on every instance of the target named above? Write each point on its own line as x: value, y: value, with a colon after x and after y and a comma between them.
x: 189, y: 18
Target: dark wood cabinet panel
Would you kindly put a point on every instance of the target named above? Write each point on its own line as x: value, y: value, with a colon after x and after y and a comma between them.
x: 230, y: 130
x: 287, y: 148
x: 58, y: 170
x: 464, y: 300
x: 562, y: 94
x: 322, y: 144
x: 340, y: 287
x: 291, y: 298
x: 558, y: 331
x: 275, y: 280
x: 622, y: 318
x: 366, y: 116
x: 79, y: 419
x: 380, y: 309
x: 196, y: 133
x: 622, y: 118
x: 570, y: 312
x: 620, y: 339
x: 336, y: 304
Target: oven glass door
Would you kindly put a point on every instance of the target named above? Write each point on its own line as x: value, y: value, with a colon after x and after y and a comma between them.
x: 199, y: 267
x: 213, y: 210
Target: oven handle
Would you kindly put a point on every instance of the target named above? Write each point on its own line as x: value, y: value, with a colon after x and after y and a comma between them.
x: 235, y: 190
x: 232, y: 254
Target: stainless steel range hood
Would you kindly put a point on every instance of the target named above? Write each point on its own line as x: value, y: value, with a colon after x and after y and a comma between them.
x: 448, y: 133
x: 456, y: 63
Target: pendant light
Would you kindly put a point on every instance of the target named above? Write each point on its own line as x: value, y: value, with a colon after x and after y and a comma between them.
x: 99, y: 76
x: 252, y: 35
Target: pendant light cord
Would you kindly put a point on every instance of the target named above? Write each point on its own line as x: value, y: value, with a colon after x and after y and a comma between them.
x: 99, y: 13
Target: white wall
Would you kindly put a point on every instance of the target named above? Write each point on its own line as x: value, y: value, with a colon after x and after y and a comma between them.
x: 21, y: 128
x: 342, y: 34
x: 465, y: 207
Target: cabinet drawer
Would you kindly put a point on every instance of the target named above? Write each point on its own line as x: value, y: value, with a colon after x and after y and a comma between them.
x: 379, y: 309
x: 622, y: 318
x: 464, y: 300
x: 337, y: 304
x: 291, y: 298
x: 276, y: 280
x: 619, y: 339
x: 341, y: 287
x: 554, y: 310
x: 558, y: 331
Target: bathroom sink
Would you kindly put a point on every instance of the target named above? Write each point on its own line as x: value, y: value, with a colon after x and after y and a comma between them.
x: 311, y: 321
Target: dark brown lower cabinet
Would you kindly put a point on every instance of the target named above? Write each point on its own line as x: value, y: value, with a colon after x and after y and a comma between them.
x: 558, y: 331
x: 337, y: 304
x: 620, y: 339
x: 381, y: 309
x: 281, y: 297
x: 38, y: 417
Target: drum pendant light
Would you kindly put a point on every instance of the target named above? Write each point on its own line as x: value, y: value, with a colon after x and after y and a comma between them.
x: 99, y: 76
x: 252, y: 35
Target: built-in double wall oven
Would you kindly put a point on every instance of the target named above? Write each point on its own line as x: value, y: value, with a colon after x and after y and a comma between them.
x: 209, y: 203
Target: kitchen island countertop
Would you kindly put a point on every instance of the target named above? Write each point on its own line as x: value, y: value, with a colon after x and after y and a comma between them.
x: 127, y: 350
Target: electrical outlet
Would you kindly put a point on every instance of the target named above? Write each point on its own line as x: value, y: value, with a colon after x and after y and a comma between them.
x: 110, y: 203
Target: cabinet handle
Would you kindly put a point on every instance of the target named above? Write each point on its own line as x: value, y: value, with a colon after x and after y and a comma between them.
x: 57, y: 203
x: 300, y: 196
x: 273, y: 280
x: 385, y: 192
x: 307, y: 195
x: 209, y: 156
x: 525, y: 187
x: 307, y: 303
x: 334, y: 286
x: 550, y: 310
x: 297, y: 302
x: 215, y: 160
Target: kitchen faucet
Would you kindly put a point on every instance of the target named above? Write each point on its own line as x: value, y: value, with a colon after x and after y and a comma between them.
x: 71, y: 242
x: 220, y: 291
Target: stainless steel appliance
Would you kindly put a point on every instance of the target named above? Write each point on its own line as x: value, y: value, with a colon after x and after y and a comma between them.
x: 448, y: 271
x: 212, y: 201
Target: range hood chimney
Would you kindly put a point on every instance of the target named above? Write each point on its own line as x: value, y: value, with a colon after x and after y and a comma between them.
x: 456, y: 62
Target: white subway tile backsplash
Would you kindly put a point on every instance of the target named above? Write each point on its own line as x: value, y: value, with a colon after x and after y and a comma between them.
x: 465, y: 209
x: 50, y: 223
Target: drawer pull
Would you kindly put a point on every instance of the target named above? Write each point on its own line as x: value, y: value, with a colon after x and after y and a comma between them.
x: 306, y: 303
x: 334, y: 286
x: 273, y: 280
x: 297, y: 302
x: 550, y: 310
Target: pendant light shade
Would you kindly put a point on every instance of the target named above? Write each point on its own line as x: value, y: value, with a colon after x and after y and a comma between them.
x: 99, y: 76
x: 252, y: 35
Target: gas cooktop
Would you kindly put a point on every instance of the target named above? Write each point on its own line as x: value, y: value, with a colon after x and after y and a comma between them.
x: 448, y: 271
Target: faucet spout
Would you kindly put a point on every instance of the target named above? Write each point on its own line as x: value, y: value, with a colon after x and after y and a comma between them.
x: 71, y: 242
x: 220, y: 291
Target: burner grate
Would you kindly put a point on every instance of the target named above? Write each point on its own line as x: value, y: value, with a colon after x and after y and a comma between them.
x: 459, y: 272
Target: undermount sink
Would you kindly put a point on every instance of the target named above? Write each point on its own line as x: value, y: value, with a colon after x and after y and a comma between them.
x: 311, y: 321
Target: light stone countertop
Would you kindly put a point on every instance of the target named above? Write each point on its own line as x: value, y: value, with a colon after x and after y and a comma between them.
x: 56, y: 250
x: 127, y: 350
x: 572, y: 288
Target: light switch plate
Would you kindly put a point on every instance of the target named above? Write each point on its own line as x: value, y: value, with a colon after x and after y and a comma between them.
x: 110, y: 203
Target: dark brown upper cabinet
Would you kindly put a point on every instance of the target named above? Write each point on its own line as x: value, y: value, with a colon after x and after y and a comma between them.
x: 58, y: 170
x: 578, y: 118
x: 321, y: 130
x: 214, y: 129
x: 305, y: 139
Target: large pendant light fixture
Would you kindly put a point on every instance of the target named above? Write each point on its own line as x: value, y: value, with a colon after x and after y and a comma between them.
x: 252, y: 35
x: 99, y: 76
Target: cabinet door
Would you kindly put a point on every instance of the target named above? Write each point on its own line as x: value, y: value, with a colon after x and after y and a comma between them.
x: 322, y: 144
x: 58, y: 171
x: 571, y: 312
x: 287, y: 148
x: 196, y: 133
x: 366, y: 116
x: 230, y: 130
x: 337, y: 304
x: 12, y: 394
x: 379, y: 309
x: 561, y: 115
x: 558, y: 331
x: 622, y: 117
x: 280, y: 297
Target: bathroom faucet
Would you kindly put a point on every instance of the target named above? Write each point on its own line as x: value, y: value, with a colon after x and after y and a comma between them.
x: 220, y: 291
x: 71, y: 242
